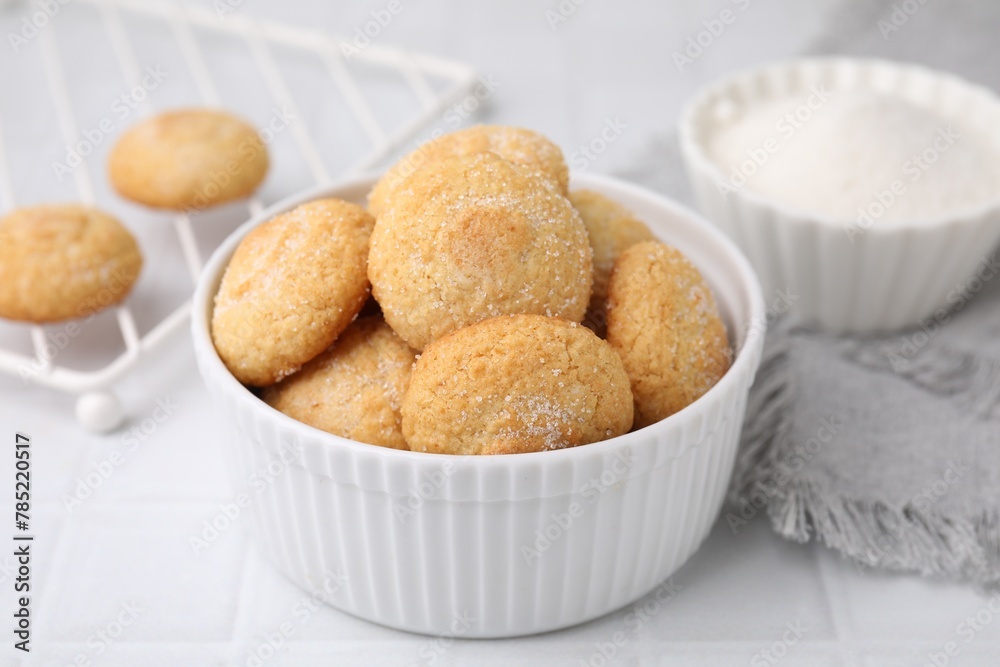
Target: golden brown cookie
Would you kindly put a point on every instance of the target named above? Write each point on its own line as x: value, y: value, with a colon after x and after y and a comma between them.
x: 59, y: 262
x: 663, y: 321
x: 354, y: 389
x: 188, y: 159
x: 293, y: 284
x: 522, y: 147
x: 612, y: 228
x: 473, y: 237
x: 513, y: 384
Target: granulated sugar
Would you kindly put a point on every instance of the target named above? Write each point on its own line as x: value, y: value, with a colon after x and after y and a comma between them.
x: 855, y: 155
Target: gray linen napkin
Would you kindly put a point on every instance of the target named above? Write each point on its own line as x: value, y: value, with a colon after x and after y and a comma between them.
x: 885, y: 448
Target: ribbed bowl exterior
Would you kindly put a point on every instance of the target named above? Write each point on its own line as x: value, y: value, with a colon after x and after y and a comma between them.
x: 888, y: 276
x: 493, y: 546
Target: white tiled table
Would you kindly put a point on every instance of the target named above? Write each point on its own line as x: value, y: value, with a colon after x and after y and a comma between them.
x: 128, y: 542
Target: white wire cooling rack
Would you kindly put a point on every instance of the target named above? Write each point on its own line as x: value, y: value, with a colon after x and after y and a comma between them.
x: 97, y: 407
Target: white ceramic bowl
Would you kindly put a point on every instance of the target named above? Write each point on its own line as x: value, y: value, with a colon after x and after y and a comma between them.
x: 441, y: 544
x: 892, y: 275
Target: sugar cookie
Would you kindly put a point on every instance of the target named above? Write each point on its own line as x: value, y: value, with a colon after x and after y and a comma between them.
x: 522, y: 147
x: 59, y: 262
x: 473, y: 237
x: 512, y: 384
x: 612, y: 228
x: 354, y: 389
x: 663, y: 321
x: 293, y: 284
x: 188, y: 159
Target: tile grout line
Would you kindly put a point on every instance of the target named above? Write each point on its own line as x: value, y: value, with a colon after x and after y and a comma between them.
x: 567, y: 643
x: 843, y: 625
x: 133, y: 506
x: 55, y: 565
x: 240, y: 633
x: 843, y: 622
x: 67, y: 524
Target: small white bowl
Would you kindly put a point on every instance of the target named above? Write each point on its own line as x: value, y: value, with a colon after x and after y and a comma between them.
x: 438, y: 544
x: 893, y: 275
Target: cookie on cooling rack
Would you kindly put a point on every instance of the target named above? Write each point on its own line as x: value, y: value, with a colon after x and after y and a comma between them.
x: 473, y: 237
x: 523, y: 147
x: 354, y: 389
x: 188, y: 159
x: 59, y: 262
x: 612, y: 228
x: 292, y: 286
x: 663, y: 322
x: 513, y: 384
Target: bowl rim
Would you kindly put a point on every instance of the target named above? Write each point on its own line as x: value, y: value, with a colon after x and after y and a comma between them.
x: 745, y: 363
x: 696, y: 154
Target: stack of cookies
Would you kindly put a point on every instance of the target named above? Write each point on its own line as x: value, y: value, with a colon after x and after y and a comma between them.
x: 472, y: 271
